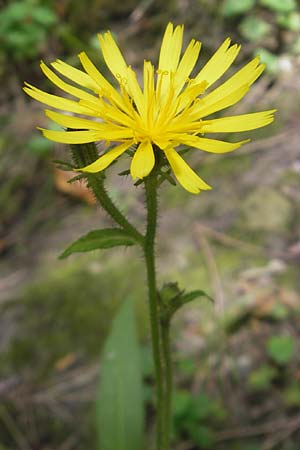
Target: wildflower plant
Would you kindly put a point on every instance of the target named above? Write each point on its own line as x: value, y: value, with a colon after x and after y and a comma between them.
x: 155, y: 122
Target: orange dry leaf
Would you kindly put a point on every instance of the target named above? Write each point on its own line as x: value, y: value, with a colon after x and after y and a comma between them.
x: 65, y: 362
x: 77, y: 189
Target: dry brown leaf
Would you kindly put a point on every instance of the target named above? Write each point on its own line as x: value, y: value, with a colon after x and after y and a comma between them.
x: 77, y: 189
x: 65, y: 362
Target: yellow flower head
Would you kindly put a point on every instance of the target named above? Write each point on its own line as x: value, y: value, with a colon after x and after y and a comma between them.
x: 168, y: 111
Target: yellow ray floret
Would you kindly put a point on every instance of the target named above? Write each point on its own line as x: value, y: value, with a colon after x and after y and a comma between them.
x: 112, y: 55
x: 184, y: 174
x: 218, y: 63
x: 71, y: 137
x: 211, y: 145
x: 243, y: 122
x: 143, y: 160
x: 106, y: 159
x: 170, y: 48
x: 76, y: 75
x: 170, y: 109
x: 57, y: 102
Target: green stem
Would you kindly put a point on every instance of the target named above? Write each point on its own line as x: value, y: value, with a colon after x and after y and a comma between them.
x: 165, y: 331
x: 151, y: 202
x: 96, y: 183
x: 85, y: 154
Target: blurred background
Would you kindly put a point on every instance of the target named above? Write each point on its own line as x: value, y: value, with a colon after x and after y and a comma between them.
x: 237, y: 362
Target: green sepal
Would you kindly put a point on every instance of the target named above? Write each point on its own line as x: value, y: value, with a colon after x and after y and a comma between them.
x: 124, y: 173
x: 130, y: 152
x: 166, y: 176
x: 184, y: 150
x: 63, y: 165
x: 172, y: 299
x: 138, y: 182
x: 77, y: 178
x: 99, y: 239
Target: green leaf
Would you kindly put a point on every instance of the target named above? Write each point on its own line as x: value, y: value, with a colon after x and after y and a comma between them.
x: 281, y: 349
x: 94, y: 240
x: 16, y: 11
x: 182, y: 404
x: 279, y: 5
x: 190, y: 296
x: 120, y: 399
x: 291, y: 395
x: 289, y: 21
x: 44, y: 16
x: 269, y: 59
x: 202, y: 435
x: 207, y: 408
x: 172, y: 299
x: 234, y: 7
x: 254, y: 29
x: 261, y: 378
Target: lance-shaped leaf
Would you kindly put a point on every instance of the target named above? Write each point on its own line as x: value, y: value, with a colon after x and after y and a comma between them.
x: 172, y: 299
x: 120, y: 409
x: 99, y: 239
x: 190, y: 296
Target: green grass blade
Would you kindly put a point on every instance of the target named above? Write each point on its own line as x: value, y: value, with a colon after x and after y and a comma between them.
x: 120, y: 413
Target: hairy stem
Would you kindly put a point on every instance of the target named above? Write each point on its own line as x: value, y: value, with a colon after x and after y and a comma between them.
x: 97, y: 186
x: 159, y: 328
x: 84, y: 154
x: 168, y: 381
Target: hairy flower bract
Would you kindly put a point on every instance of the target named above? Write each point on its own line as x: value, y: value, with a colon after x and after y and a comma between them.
x: 169, y: 110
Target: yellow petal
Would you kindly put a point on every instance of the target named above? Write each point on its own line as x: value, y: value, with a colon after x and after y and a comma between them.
x: 112, y: 55
x: 188, y: 95
x: 205, y: 106
x: 243, y: 122
x: 245, y: 76
x: 168, y: 59
x: 106, y: 88
x: 75, y: 122
x: 165, y: 45
x: 148, y: 91
x: 218, y: 63
x: 148, y: 80
x: 57, y: 102
x: 184, y: 174
x: 186, y: 64
x: 170, y: 48
x: 211, y: 145
x: 76, y: 75
x: 135, y: 90
x: 143, y: 160
x: 106, y: 159
x: 70, y: 137
x: 69, y: 88
x: 107, y: 131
